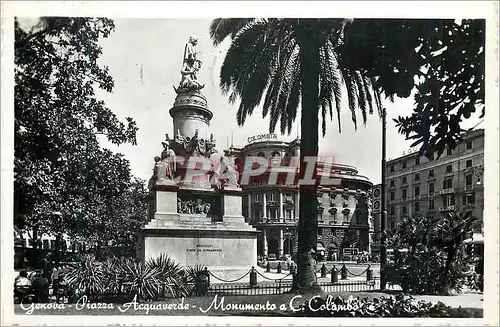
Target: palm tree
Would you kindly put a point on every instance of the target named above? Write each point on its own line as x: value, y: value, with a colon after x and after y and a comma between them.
x: 290, y: 63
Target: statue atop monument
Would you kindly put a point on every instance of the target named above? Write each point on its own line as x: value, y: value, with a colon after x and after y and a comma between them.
x: 191, y: 64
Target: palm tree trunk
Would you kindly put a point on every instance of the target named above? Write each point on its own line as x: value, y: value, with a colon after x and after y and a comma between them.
x: 308, y: 222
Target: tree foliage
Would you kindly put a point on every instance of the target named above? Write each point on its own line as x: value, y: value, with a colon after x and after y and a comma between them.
x: 443, y: 59
x: 429, y: 263
x: 265, y: 61
x: 64, y: 181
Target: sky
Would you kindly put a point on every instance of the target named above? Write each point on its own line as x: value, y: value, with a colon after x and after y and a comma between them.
x: 145, y: 56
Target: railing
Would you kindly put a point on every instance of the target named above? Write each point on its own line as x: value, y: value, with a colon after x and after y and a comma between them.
x: 209, y: 284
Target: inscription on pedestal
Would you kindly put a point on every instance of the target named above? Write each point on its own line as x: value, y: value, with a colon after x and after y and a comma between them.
x: 204, y: 248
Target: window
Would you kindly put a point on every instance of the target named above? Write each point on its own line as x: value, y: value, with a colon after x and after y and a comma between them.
x: 404, y: 194
x: 257, y: 197
x: 391, y: 168
x: 273, y: 213
x: 288, y: 214
x: 416, y: 177
x: 391, y: 183
x: 404, y: 180
x: 468, y: 145
x: 320, y: 231
x: 393, y: 210
x: 392, y: 196
x: 393, y: 224
x: 403, y: 164
x: 431, y: 188
x: 468, y: 163
x: 272, y: 197
x: 431, y: 204
x: 431, y: 172
x: 468, y: 180
x: 449, y: 200
x: 417, y: 190
x: 449, y: 168
x: 52, y: 244
x: 448, y: 183
x: 417, y: 161
x: 469, y: 199
x: 405, y: 210
x: 45, y: 244
x: 449, y: 152
x: 417, y: 206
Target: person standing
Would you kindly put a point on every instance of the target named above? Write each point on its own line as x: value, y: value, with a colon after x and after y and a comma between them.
x: 22, y: 285
x: 40, y: 287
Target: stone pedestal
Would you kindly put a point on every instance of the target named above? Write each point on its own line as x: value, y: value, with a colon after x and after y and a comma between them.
x: 227, y: 245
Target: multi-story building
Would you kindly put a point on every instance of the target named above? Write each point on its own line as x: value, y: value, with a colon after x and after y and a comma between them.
x: 344, y: 215
x: 452, y: 182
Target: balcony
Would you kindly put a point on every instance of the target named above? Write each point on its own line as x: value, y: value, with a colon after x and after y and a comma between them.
x: 469, y: 187
x: 447, y: 191
x: 447, y: 208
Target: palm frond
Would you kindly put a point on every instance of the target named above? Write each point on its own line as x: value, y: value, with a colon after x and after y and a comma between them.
x: 289, y: 67
x: 358, y: 78
x: 352, y: 95
x: 293, y: 99
x: 369, y: 98
x: 221, y: 28
x: 246, y: 68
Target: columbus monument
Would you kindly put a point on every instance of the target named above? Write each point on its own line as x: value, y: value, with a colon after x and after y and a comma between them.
x: 195, y: 205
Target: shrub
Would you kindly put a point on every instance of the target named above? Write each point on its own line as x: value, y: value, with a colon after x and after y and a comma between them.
x: 122, y: 278
x: 170, y: 276
x: 430, y: 263
x: 86, y: 276
x: 398, y: 306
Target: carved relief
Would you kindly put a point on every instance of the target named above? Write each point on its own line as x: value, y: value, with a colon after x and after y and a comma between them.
x: 204, y: 206
x: 192, y: 146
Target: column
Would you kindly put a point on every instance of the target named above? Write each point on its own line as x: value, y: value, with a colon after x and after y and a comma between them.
x: 265, y: 204
x: 264, y: 234
x: 249, y: 208
x: 281, y: 206
x: 280, y: 244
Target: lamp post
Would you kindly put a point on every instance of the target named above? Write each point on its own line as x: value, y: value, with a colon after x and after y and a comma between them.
x: 479, y: 172
x: 383, y: 259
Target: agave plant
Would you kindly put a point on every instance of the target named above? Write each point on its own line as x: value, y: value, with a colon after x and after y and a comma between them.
x: 86, y: 276
x: 141, y: 279
x: 112, y: 275
x: 194, y: 272
x: 170, y: 275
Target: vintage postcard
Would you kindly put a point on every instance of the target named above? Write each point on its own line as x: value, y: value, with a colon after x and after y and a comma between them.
x: 316, y: 160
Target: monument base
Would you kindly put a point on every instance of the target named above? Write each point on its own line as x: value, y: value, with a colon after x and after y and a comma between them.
x: 227, y: 250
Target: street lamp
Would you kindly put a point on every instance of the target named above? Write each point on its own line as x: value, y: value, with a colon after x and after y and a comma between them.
x: 383, y: 258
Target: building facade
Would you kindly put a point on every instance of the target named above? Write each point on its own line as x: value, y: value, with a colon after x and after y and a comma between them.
x: 344, y: 215
x: 452, y: 182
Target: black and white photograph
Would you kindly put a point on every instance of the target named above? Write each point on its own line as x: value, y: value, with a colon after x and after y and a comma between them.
x: 318, y: 163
